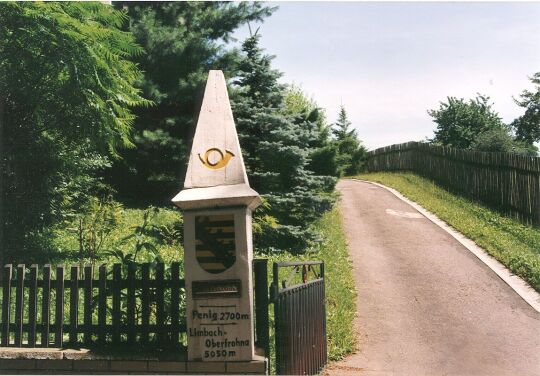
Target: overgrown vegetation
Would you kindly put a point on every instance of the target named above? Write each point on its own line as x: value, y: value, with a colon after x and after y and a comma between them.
x: 515, y: 245
x: 110, y: 232
x: 67, y: 94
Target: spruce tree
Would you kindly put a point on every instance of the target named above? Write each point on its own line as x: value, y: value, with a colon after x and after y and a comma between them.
x: 276, y: 148
x: 351, y: 152
x: 182, y: 42
x: 342, y: 127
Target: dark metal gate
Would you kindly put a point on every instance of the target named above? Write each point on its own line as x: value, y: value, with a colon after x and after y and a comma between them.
x: 300, y: 318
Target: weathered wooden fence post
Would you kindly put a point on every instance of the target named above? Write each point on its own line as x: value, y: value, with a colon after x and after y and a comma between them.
x: 6, y: 300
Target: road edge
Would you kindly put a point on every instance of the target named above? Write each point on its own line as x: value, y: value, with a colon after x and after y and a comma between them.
x: 515, y: 282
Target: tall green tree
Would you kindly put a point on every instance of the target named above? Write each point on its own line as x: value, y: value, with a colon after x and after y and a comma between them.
x: 182, y: 42
x: 67, y: 93
x: 342, y: 127
x: 351, y: 154
x: 460, y: 122
x: 527, y: 126
x: 475, y: 125
x: 276, y: 148
x: 323, y: 152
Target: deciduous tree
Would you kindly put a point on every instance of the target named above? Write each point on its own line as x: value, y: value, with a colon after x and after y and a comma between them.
x: 67, y: 90
x: 323, y: 151
x: 460, y: 122
x: 527, y: 126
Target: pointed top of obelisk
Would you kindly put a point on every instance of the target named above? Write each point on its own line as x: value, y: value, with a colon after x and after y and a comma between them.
x: 216, y: 168
x: 215, y: 157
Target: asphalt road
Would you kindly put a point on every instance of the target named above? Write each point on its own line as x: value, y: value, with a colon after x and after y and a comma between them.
x: 426, y: 305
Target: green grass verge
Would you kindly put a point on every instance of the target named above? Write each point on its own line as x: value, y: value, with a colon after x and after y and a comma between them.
x: 515, y: 245
x: 339, y: 284
x: 340, y: 288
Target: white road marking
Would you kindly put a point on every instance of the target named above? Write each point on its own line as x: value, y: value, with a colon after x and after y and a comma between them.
x: 404, y: 214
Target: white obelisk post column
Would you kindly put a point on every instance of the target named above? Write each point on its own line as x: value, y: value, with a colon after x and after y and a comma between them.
x: 217, y: 202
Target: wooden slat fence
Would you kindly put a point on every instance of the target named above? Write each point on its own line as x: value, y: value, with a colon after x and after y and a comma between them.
x: 507, y: 182
x: 134, y: 303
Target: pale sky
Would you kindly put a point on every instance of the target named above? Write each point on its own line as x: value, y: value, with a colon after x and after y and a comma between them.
x: 388, y: 63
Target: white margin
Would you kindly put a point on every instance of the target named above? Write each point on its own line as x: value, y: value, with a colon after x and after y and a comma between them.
x: 521, y: 287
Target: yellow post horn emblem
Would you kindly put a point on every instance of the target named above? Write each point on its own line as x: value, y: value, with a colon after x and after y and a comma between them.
x: 220, y: 163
